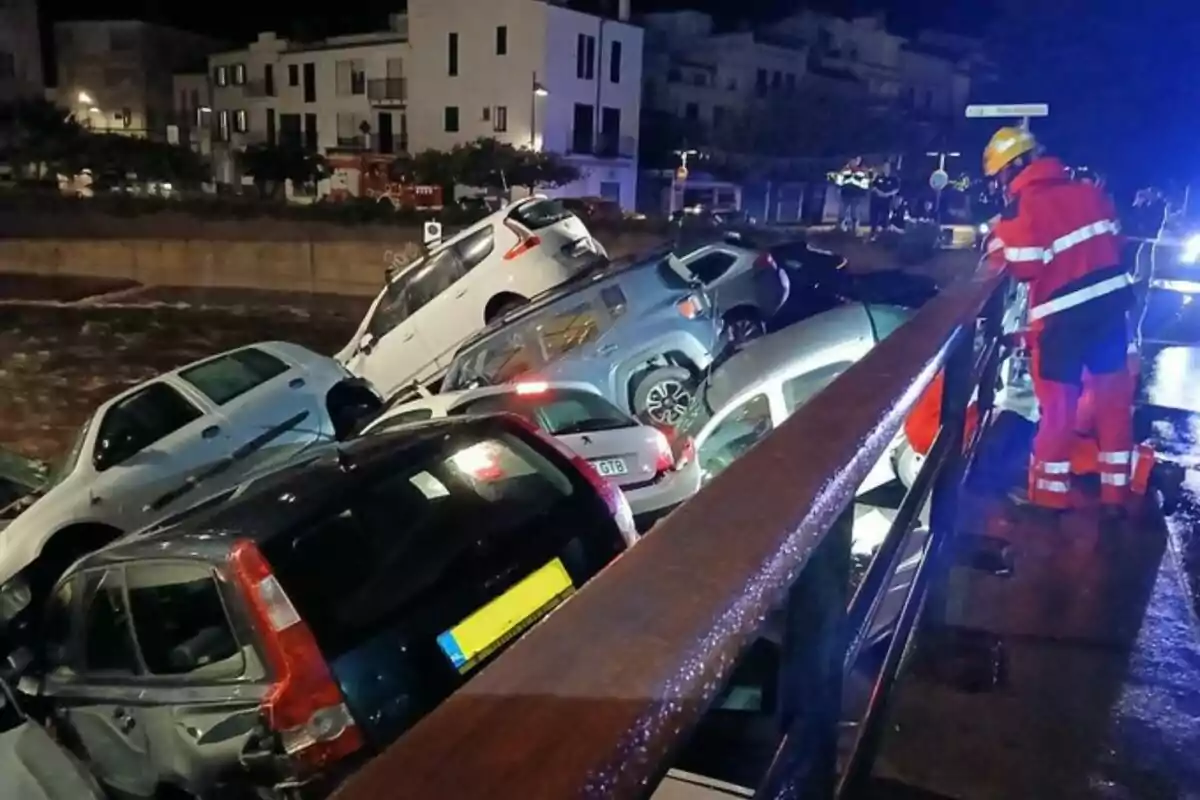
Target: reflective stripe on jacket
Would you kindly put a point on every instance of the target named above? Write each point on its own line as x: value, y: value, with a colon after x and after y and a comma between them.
x: 1062, y: 237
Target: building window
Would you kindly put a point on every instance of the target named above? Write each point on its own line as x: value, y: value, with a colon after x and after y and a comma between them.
x: 221, y: 76
x: 239, y: 74
x: 585, y: 57
x: 691, y: 112
x: 269, y: 80
x: 610, y: 132
x: 501, y: 40
x: 614, y: 63
x: 789, y: 81
x: 776, y: 79
x: 271, y: 131
x: 760, y: 81
x: 311, y: 140
x: 718, y: 116
x: 487, y: 113
x: 500, y: 119
x: 350, y: 130
x: 452, y: 55
x: 223, y: 125
x: 451, y: 119
x: 126, y: 118
x: 293, y: 74
x: 583, y: 129
x: 310, y: 82
x: 241, y: 122
x: 351, y: 77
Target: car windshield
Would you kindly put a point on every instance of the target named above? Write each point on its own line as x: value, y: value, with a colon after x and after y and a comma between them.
x: 540, y: 214
x: 557, y: 411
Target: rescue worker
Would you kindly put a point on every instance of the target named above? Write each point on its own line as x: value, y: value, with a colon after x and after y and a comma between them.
x: 1062, y: 238
x: 854, y: 181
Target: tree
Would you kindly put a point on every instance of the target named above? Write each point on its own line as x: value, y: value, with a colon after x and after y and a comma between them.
x: 116, y: 160
x: 271, y: 166
x: 486, y: 163
x: 37, y: 136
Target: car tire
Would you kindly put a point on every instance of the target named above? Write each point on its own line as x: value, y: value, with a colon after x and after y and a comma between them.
x: 743, y: 325
x: 510, y: 303
x: 663, y: 395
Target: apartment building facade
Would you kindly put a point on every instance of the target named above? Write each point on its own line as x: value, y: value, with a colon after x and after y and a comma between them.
x: 20, y: 51
x: 526, y: 72
x: 117, y: 75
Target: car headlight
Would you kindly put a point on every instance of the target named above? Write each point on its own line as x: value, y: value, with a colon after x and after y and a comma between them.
x: 983, y: 229
x: 1191, y: 249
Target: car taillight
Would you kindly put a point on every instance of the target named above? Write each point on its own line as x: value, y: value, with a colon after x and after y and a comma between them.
x: 612, y: 495
x: 665, y: 457
x: 525, y: 242
x: 691, y: 307
x: 304, y: 706
x: 685, y: 452
x: 765, y: 261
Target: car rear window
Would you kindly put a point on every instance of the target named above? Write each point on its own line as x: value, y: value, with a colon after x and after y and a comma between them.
x: 229, y: 376
x: 540, y: 214
x: 567, y: 330
x: 509, y: 354
x: 559, y: 412
x: 418, y: 549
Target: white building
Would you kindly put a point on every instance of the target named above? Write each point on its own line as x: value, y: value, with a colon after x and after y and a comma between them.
x: 527, y: 72
x: 192, y: 116
x: 117, y: 75
x: 20, y: 51
x: 706, y: 77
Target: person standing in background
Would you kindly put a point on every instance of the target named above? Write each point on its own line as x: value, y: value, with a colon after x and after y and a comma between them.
x: 885, y: 187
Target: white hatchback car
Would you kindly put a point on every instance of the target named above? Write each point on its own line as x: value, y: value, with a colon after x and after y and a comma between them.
x: 431, y: 306
x: 159, y: 447
x: 637, y: 458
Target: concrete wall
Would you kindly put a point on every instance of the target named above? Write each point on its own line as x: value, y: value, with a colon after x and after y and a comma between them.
x: 348, y: 267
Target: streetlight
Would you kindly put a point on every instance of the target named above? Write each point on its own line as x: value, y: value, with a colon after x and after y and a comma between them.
x: 679, y: 175
x: 85, y: 99
x: 536, y: 90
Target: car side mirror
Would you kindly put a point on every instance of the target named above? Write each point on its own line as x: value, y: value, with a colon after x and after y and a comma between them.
x: 367, y: 343
x: 681, y: 269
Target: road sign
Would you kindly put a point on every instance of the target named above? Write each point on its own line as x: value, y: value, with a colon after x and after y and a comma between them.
x: 432, y: 233
x: 938, y: 180
x: 992, y: 112
x: 681, y: 174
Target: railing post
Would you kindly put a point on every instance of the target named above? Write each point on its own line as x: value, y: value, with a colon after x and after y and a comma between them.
x: 810, y: 675
x: 943, y: 513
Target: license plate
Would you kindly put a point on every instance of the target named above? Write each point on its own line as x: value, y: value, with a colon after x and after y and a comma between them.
x: 611, y: 467
x: 471, y: 641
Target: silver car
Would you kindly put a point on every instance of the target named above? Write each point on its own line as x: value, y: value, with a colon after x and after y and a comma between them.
x: 643, y: 334
x: 637, y: 458
x: 745, y: 284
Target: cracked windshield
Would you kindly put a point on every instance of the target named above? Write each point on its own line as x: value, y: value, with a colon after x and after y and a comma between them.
x: 626, y: 399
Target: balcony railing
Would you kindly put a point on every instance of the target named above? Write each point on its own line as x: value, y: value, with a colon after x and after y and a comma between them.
x: 358, y: 142
x: 387, y: 91
x: 257, y: 89
x: 604, y: 146
x: 597, y: 701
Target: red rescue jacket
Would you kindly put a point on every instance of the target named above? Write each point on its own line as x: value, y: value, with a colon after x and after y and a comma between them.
x: 1062, y: 237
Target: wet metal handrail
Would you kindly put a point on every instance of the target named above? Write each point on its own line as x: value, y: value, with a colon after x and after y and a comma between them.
x: 597, y: 701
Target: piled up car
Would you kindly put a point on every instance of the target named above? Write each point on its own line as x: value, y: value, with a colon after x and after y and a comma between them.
x: 250, y: 573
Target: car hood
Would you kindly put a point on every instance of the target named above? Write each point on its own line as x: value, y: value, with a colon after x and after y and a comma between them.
x: 890, y: 287
x: 27, y: 473
x: 34, y: 767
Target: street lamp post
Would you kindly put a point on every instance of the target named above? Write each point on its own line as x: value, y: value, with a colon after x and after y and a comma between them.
x: 679, y: 174
x: 536, y: 90
x: 937, y: 202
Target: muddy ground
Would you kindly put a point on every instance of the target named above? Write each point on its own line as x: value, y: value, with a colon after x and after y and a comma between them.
x: 68, y: 344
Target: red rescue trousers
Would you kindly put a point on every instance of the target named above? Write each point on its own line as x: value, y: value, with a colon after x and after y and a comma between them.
x: 1067, y: 356
x: 922, y: 424
x: 1085, y: 453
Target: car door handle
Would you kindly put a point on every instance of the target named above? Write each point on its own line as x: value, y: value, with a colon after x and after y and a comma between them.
x: 295, y: 383
x: 210, y: 432
x: 408, y: 337
x: 607, y: 349
x: 460, y: 293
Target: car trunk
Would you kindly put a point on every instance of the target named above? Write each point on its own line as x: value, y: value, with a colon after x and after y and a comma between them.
x: 627, y: 456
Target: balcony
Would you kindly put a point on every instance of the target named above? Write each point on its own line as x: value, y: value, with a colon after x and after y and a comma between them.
x: 387, y: 91
x: 606, y: 145
x: 358, y: 142
x: 258, y: 89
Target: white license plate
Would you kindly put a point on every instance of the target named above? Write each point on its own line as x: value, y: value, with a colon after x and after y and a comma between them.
x: 611, y: 467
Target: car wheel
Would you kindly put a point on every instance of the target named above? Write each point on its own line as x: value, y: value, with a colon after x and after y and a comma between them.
x: 506, y: 305
x: 664, y: 395
x: 743, y: 325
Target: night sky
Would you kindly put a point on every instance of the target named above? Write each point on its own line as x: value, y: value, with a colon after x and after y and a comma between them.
x: 1120, y: 75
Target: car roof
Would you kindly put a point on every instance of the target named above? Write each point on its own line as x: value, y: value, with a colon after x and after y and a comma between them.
x: 278, y: 501
x: 443, y: 403
x: 449, y: 241
x: 762, y: 358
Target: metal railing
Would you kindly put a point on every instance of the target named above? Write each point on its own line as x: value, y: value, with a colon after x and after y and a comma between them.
x: 599, y: 699
x: 604, y: 145
x: 384, y: 91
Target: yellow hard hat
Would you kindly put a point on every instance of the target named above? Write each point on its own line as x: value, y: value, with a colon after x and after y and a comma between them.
x: 1006, y: 145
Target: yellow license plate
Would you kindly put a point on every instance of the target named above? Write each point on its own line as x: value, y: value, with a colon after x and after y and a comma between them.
x: 471, y: 641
